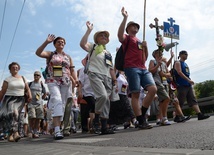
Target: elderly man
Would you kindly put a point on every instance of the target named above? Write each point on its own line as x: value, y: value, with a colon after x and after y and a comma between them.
x: 35, y: 107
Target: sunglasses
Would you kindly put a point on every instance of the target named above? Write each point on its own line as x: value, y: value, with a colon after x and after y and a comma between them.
x: 36, y: 75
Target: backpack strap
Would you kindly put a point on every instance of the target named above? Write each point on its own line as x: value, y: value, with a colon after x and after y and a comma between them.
x: 92, y: 50
x: 42, y: 84
x: 29, y: 84
x: 126, y: 47
x: 49, y: 59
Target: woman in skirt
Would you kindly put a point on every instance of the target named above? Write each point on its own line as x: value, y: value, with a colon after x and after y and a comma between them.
x: 13, y: 100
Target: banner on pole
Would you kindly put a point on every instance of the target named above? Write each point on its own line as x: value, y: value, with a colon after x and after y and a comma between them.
x: 171, y: 30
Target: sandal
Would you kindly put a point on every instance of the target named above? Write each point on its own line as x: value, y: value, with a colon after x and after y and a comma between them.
x: 16, y: 137
x: 10, y: 138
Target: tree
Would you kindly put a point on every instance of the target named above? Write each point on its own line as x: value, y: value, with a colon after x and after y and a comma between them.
x: 204, y: 89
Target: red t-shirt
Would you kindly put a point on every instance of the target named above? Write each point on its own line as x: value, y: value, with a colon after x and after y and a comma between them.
x: 135, y: 57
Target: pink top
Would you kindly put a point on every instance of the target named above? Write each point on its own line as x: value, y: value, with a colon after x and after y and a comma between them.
x: 135, y: 58
x: 59, y: 60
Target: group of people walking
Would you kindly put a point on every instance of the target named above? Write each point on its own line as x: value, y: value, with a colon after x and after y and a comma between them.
x: 95, y: 85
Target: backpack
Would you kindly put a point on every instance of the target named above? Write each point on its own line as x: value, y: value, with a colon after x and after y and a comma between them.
x: 30, y: 83
x: 45, y: 71
x: 120, y: 57
x: 173, y: 83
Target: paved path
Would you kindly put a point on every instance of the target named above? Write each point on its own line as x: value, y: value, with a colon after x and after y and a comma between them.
x: 191, y: 138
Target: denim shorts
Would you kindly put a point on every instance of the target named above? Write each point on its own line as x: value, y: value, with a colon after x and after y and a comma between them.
x: 138, y: 78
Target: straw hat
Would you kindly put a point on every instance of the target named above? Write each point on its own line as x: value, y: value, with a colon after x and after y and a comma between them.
x: 98, y: 32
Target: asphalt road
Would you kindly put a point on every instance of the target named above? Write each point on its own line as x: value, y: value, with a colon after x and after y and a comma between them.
x: 193, y: 134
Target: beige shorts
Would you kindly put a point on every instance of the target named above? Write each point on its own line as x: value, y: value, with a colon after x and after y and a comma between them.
x: 36, y: 111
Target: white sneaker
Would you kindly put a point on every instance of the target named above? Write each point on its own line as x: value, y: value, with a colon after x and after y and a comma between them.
x: 165, y: 122
x: 58, y: 135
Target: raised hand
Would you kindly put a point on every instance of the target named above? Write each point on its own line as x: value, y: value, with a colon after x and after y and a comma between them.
x: 89, y: 25
x: 124, y: 12
x: 50, y: 38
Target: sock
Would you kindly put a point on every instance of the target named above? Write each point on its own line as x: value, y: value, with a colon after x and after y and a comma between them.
x: 164, y: 118
x: 144, y: 110
x: 97, y: 118
x: 140, y: 119
x: 103, y: 124
x: 134, y: 121
x: 57, y: 129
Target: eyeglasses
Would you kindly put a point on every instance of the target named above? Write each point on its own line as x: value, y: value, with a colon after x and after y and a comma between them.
x: 36, y: 75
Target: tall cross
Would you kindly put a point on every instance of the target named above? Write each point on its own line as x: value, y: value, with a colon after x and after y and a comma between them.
x: 157, y: 27
x: 171, y: 20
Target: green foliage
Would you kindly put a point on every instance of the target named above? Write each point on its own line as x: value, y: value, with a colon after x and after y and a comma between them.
x: 204, y: 89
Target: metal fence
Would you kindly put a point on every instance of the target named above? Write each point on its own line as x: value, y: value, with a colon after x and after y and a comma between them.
x: 201, y: 102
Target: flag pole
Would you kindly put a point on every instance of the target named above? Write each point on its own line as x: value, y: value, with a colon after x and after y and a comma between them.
x: 144, y: 20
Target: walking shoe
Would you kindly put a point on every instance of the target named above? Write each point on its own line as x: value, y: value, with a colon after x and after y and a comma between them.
x: 66, y: 133
x: 126, y: 125
x: 35, y: 136
x: 74, y: 131
x: 165, y: 122
x: 185, y: 118
x: 113, y: 127
x: 86, y: 131
x: 58, y: 135
x: 106, y: 131
x: 96, y: 128
x: 145, y: 125
x: 1, y: 136
x: 158, y: 123
x: 202, y: 116
x: 136, y: 123
x: 178, y: 119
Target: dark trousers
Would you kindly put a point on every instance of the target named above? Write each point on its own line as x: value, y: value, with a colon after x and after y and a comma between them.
x: 84, y: 116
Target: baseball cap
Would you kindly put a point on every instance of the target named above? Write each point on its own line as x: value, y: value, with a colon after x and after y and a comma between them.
x: 132, y: 23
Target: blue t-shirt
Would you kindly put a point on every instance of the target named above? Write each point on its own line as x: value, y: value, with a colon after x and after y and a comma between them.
x: 179, y: 80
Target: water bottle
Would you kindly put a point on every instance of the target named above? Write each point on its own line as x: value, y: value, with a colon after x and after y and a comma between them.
x: 114, y: 95
x: 43, y: 72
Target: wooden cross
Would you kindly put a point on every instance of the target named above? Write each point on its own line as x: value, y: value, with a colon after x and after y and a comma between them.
x: 157, y: 27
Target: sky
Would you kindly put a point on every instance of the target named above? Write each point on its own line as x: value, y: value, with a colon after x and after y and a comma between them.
x: 25, y: 25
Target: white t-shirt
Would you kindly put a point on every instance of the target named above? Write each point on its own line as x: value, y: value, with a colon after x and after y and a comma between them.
x: 97, y: 62
x: 86, y: 86
x: 122, y: 84
x: 16, y: 86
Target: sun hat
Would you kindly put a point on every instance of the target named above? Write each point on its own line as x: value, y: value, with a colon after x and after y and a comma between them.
x: 98, y: 32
